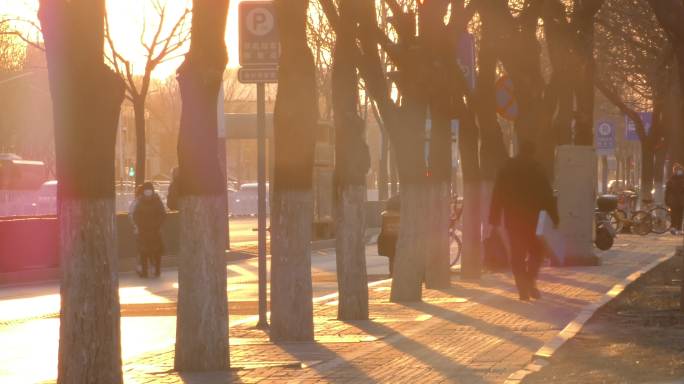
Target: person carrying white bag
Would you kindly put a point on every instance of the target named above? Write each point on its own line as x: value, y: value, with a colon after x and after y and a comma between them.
x: 521, y: 192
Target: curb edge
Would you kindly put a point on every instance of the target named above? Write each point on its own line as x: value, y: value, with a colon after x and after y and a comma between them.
x: 541, y: 357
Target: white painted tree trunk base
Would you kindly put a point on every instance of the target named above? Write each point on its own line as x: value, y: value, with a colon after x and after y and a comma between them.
x: 202, y: 319
x: 350, y: 246
x: 89, y: 332
x: 471, y: 259
x: 437, y: 269
x: 409, y: 263
x: 291, y: 289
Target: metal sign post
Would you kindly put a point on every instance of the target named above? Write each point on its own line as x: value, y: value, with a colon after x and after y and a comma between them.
x: 259, y: 53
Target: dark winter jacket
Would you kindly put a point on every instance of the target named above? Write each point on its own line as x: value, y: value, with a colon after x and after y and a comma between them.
x: 149, y: 214
x: 674, y: 192
x: 521, y: 191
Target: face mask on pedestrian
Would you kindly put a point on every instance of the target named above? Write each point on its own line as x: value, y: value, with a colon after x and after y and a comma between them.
x: 679, y: 172
x: 148, y: 193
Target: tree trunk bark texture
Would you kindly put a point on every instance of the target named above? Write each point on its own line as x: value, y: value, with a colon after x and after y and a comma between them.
x: 350, y: 246
x: 202, y: 319
x: 584, y: 86
x: 352, y: 162
x: 295, y: 117
x: 647, y: 168
x: 409, y: 262
x: 471, y: 264
x: 437, y: 269
x: 471, y: 260
x: 86, y: 97
x: 140, y: 142
x: 291, y: 289
x: 89, y: 332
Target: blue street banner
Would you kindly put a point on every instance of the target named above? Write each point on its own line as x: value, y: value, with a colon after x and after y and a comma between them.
x: 605, y: 138
x: 630, y: 127
x: 465, y: 56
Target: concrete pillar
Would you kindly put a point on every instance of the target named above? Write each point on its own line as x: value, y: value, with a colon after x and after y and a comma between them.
x: 576, y: 183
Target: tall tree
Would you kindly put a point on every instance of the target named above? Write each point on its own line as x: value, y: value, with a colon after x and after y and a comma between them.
x: 87, y: 98
x: 352, y: 162
x: 159, y: 48
x: 670, y: 13
x: 295, y: 116
x: 202, y: 320
x: 437, y: 52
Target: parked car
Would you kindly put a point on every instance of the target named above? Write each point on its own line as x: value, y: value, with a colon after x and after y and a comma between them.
x: 244, y: 201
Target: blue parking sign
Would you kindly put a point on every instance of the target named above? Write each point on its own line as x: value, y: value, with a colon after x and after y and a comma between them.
x: 605, y: 138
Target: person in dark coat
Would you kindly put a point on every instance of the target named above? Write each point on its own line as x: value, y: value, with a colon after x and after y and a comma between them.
x: 148, y: 216
x: 674, y: 198
x: 521, y: 191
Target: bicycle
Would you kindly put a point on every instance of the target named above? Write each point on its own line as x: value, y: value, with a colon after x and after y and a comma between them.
x: 455, y: 243
x: 641, y: 222
x: 661, y: 221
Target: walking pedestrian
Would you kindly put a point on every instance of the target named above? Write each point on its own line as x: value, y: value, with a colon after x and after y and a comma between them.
x: 148, y: 215
x: 521, y: 191
x: 674, y: 198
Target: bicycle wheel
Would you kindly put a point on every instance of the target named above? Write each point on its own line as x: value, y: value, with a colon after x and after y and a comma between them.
x: 660, y: 218
x: 617, y: 220
x: 642, y: 223
x: 455, y: 247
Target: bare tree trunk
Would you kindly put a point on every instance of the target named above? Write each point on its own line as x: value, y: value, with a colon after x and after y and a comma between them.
x: 202, y: 325
x: 584, y: 85
x: 432, y: 31
x: 296, y: 112
x: 350, y: 247
x: 202, y: 320
x: 89, y: 337
x: 412, y: 245
x: 291, y: 289
x: 437, y: 270
x: 86, y: 97
x: 140, y: 141
x: 647, y: 169
x: 352, y: 162
x: 471, y: 261
x: 409, y: 262
x: 383, y: 174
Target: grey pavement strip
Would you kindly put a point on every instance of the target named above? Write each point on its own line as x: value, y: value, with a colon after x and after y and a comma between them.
x: 543, y: 354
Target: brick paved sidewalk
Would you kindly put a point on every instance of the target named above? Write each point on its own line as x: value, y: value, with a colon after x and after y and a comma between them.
x: 474, y: 332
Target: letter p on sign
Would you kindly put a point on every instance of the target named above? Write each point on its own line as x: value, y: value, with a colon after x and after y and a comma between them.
x: 259, y: 21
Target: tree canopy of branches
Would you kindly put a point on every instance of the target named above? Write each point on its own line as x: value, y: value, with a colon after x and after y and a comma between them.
x: 168, y: 41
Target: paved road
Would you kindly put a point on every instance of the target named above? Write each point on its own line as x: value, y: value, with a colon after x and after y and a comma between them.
x: 473, y: 332
x: 242, y: 230
x: 29, y: 324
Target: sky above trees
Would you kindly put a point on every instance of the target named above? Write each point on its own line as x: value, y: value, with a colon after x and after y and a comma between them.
x: 127, y: 19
